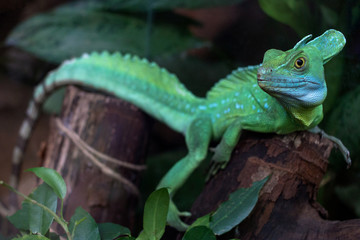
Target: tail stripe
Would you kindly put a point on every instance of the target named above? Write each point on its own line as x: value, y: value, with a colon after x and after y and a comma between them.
x: 25, y: 129
x: 17, y: 154
x: 32, y: 113
x: 32, y: 110
x: 40, y: 94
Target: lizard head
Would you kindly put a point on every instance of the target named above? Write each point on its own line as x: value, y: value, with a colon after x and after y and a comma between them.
x: 296, y: 77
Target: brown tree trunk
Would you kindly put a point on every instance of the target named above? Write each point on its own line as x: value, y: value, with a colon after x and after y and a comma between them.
x: 287, y: 207
x: 113, y: 127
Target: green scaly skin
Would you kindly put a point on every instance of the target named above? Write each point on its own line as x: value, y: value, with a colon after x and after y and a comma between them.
x: 280, y: 96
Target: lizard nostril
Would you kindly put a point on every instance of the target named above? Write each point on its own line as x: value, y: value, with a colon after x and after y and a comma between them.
x: 261, y: 71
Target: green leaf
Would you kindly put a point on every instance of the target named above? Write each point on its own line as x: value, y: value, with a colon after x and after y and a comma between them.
x: 52, y: 178
x: 159, y: 5
x: 155, y: 213
x: 69, y: 32
x: 237, y: 208
x: 109, y: 231
x: 83, y: 226
x: 142, y: 236
x: 31, y: 237
x: 291, y: 12
x: 199, y: 233
x: 32, y: 217
x: 201, y: 221
x: 126, y: 238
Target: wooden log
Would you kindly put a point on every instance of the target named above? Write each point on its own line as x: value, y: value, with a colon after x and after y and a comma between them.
x: 113, y: 127
x: 287, y: 207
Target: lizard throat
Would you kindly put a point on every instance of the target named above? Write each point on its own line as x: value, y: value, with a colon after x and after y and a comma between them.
x: 308, y: 117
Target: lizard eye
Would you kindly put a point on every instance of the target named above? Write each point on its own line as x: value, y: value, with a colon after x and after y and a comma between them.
x: 300, y: 62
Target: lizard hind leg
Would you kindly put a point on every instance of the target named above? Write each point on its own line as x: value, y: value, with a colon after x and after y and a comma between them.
x: 197, y: 136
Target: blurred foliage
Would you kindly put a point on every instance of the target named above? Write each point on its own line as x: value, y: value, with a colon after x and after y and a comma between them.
x: 142, y: 27
x: 39, y: 209
x: 69, y: 31
x: 344, y: 122
x: 158, y: 5
x: 291, y: 12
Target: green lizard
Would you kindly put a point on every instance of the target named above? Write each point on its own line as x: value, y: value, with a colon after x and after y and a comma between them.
x: 283, y: 94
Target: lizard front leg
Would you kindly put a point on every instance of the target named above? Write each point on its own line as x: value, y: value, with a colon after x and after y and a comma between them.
x: 197, y: 136
x: 224, y: 149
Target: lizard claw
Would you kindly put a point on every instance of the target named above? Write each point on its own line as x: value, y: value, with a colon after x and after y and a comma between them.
x: 218, y: 162
x: 215, y: 168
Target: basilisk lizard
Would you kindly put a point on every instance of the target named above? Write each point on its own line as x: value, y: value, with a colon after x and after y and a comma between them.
x: 283, y: 94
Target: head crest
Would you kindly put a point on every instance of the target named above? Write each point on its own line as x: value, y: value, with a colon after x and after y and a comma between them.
x: 330, y: 43
x: 302, y: 42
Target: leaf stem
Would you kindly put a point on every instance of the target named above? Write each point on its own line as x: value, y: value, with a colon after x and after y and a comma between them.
x: 62, y: 210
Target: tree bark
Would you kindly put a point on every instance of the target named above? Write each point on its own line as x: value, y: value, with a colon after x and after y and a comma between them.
x: 287, y: 207
x: 113, y: 127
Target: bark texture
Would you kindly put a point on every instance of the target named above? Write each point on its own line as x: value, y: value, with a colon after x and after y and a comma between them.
x: 113, y: 127
x: 287, y: 207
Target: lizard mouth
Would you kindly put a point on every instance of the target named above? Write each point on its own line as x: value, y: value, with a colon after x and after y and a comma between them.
x: 275, y: 84
x: 261, y: 82
x: 283, y: 83
x: 268, y: 80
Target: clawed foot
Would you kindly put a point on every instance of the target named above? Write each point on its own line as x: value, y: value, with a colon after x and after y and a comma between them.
x: 218, y: 162
x: 173, y: 217
x: 345, y: 152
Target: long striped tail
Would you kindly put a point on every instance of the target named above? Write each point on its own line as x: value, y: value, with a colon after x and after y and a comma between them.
x: 144, y: 84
